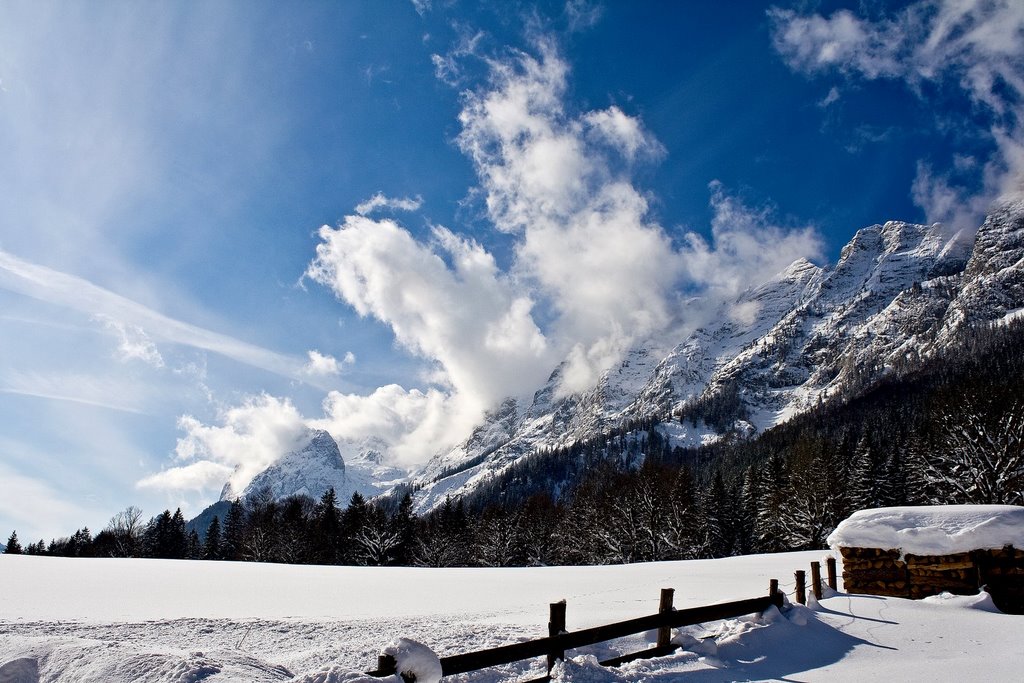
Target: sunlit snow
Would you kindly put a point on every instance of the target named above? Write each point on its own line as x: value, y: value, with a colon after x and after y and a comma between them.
x: 149, y: 620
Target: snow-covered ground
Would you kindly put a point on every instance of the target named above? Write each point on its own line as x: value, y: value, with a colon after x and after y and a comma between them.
x: 153, y: 620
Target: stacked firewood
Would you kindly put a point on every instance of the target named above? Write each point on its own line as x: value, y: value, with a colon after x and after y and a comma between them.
x: 933, y: 574
x: 1002, y: 573
x: 875, y: 571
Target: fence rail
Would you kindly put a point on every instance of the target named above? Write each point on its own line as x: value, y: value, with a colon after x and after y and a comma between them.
x: 554, y: 645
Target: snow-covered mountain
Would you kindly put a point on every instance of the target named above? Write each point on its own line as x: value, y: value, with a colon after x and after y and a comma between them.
x: 319, y: 465
x: 898, y: 293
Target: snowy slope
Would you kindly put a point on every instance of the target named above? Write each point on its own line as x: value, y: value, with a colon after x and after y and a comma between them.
x: 69, y: 619
x: 807, y: 335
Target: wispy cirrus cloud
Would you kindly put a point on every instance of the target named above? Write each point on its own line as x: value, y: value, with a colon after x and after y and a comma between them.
x: 138, y: 327
x: 82, y: 388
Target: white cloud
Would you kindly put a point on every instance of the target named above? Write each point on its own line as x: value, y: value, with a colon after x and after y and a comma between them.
x: 582, y: 14
x: 831, y: 98
x: 747, y: 248
x: 414, y: 424
x: 134, y: 344
x: 555, y: 180
x: 624, y: 133
x: 447, y: 67
x: 466, y: 318
x: 324, y: 364
x: 250, y: 437
x: 421, y: 6
x: 380, y: 201
x: 200, y: 476
x: 973, y: 43
x: 101, y: 391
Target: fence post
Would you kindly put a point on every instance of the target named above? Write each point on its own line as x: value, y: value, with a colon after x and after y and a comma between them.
x: 830, y: 564
x: 801, y: 590
x: 386, y: 664
x: 816, y: 579
x: 556, y: 625
x: 665, y: 632
x: 773, y: 593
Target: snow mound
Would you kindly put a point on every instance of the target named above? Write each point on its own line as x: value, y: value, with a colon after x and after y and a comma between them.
x: 336, y: 674
x: 933, y: 530
x: 982, y: 601
x: 415, y: 658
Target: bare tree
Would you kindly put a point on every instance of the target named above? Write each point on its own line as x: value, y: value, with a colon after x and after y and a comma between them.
x: 378, y: 541
x: 126, y: 527
x: 980, y: 455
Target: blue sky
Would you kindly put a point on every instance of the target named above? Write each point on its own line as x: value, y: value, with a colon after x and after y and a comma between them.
x: 504, y: 186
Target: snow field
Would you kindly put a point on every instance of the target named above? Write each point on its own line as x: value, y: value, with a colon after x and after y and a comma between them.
x: 64, y: 619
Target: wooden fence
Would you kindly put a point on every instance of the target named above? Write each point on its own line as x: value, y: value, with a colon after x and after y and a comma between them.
x: 554, y: 646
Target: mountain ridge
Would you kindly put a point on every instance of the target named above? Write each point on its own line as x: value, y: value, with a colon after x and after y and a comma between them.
x: 898, y: 294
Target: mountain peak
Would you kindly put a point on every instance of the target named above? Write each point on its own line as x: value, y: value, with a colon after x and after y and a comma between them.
x: 309, y: 470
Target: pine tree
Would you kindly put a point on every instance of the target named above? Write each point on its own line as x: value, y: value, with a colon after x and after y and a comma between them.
x: 327, y: 534
x: 498, y: 540
x: 681, y: 532
x: 353, y: 519
x: 294, y: 522
x: 980, y: 455
x: 178, y: 539
x: 863, y: 480
x: 13, y: 546
x: 212, y: 543
x: 194, y: 547
x: 233, y: 538
x: 405, y: 525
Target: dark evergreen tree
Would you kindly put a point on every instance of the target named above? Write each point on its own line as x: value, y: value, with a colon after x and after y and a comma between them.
x: 326, y: 529
x: 353, y: 520
x: 405, y: 526
x: 294, y: 520
x: 212, y: 543
x: 194, y: 547
x: 233, y: 538
x: 13, y: 545
x: 179, y: 540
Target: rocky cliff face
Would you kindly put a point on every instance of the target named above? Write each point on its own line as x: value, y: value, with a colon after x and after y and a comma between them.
x: 898, y: 293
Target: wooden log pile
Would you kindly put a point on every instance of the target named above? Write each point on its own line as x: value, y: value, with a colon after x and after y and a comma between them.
x: 874, y: 571
x: 877, y: 571
x: 1002, y: 571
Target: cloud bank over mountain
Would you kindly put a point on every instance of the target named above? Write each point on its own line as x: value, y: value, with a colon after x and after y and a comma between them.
x: 591, y: 274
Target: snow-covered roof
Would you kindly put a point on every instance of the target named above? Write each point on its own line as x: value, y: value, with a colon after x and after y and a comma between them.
x: 932, y: 529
